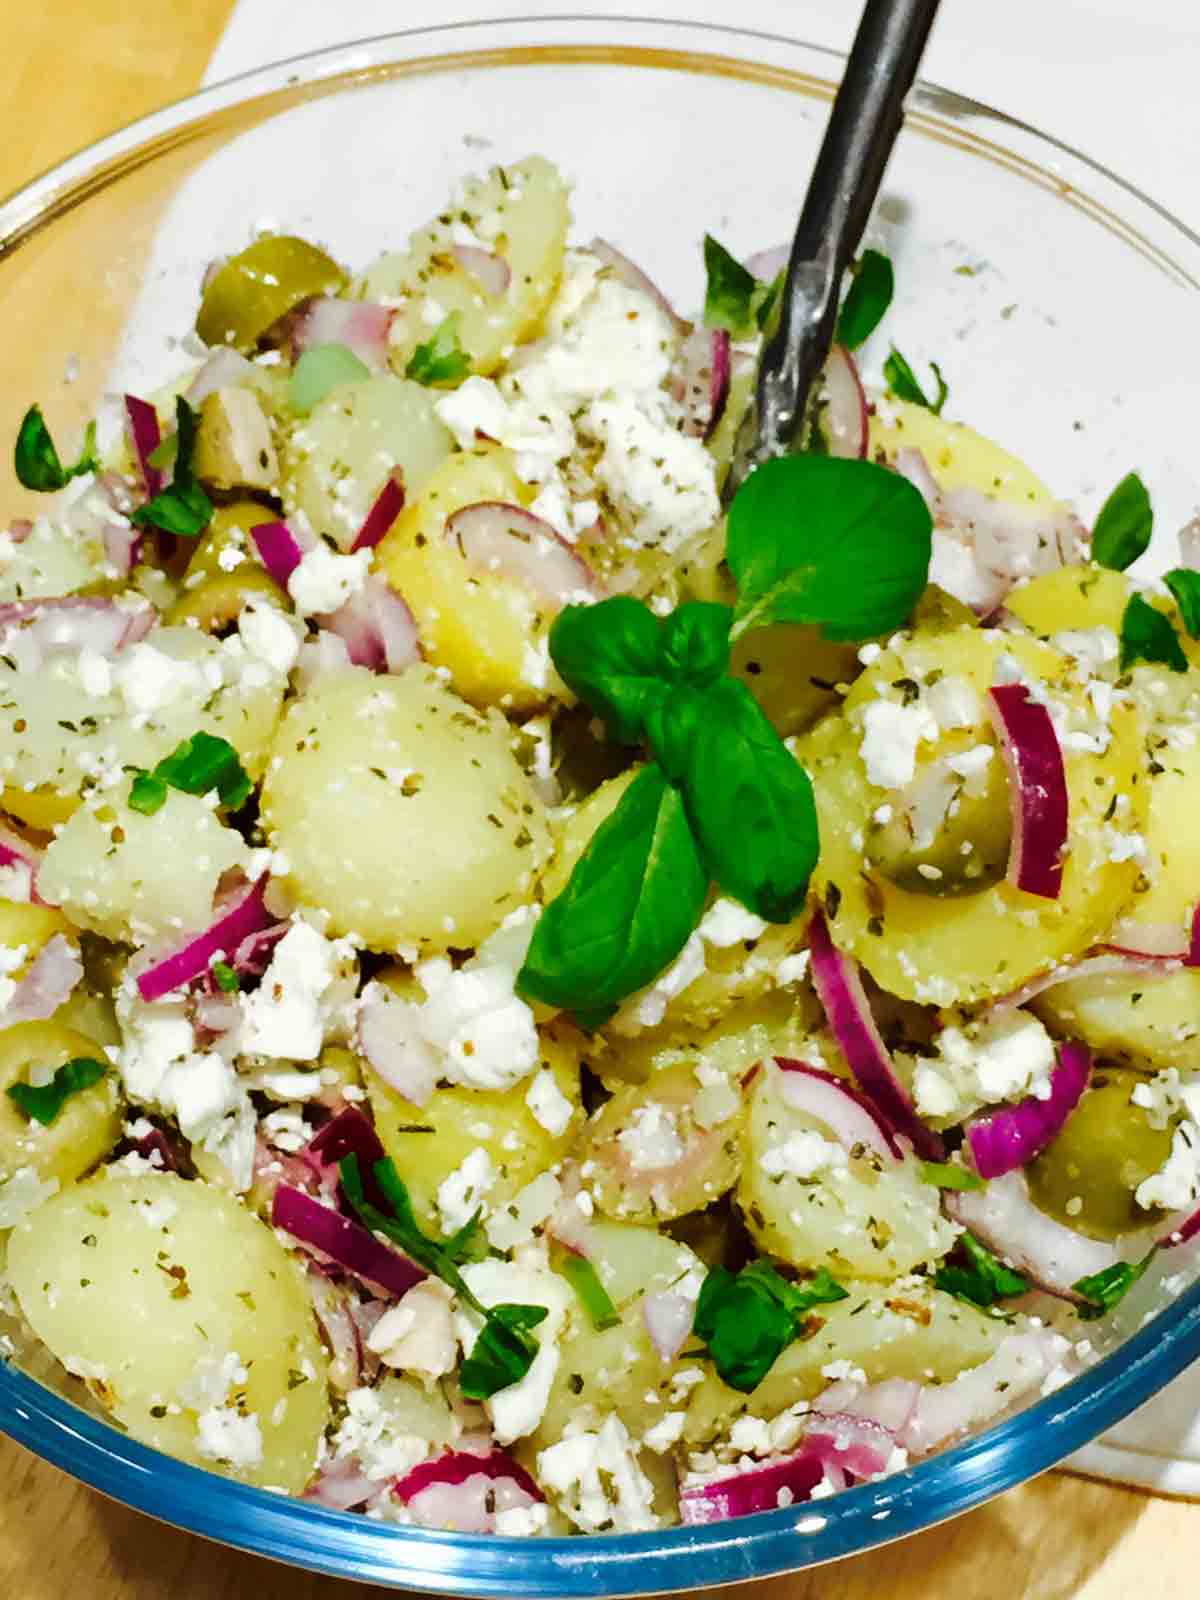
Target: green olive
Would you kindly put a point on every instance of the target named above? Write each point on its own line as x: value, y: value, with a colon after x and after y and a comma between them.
x: 261, y: 284
x: 792, y: 670
x: 1088, y: 1175
x: 970, y: 846
x: 217, y: 602
x: 228, y: 531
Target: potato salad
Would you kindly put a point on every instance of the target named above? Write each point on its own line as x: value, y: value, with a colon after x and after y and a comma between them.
x: 535, y: 1003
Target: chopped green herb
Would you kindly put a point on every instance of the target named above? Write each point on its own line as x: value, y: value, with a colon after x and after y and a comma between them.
x: 734, y: 299
x: 1104, y: 1290
x: 36, y: 461
x: 504, y: 1351
x: 610, y: 655
x: 748, y: 1319
x: 205, y: 762
x: 43, y: 1103
x: 584, y: 1279
x: 225, y: 978
x: 147, y: 793
x: 949, y: 1175
x: 870, y: 294
x: 1146, y: 635
x: 983, y: 1280
x: 319, y: 370
x: 902, y: 381
x: 441, y: 359
x: 1184, y: 585
x: 1124, y: 525
x: 182, y: 508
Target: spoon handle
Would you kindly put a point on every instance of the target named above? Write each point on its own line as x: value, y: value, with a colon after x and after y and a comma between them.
x: 867, y: 112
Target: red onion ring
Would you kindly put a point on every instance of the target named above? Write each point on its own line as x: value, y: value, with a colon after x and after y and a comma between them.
x: 633, y: 277
x: 846, y: 1112
x: 49, y: 981
x: 1037, y: 787
x: 346, y: 1243
x: 145, y: 436
x: 458, y: 1465
x: 377, y: 627
x: 1012, y: 1136
x: 492, y: 271
x: 245, y: 916
x: 387, y: 506
x: 838, y: 983
x: 278, y: 549
x: 360, y: 325
x: 751, y: 1489
x: 846, y: 417
x: 389, y: 1041
x: 511, y: 541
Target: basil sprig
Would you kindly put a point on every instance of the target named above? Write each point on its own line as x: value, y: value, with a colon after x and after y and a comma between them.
x: 1146, y: 635
x: 203, y: 763
x: 734, y: 299
x: 43, y: 1102
x: 817, y: 539
x: 36, y: 461
x: 872, y: 285
x: 183, y: 507
x: 981, y: 1278
x: 749, y: 1318
x: 505, y: 1348
x: 902, y: 381
x: 1123, y: 525
x: 442, y: 358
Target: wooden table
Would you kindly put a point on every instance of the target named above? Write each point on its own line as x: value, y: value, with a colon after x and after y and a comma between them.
x: 72, y: 70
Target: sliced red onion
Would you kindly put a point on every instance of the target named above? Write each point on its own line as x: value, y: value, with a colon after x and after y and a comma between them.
x: 911, y: 464
x: 253, y: 956
x: 346, y: 1243
x: 1181, y: 1231
x: 668, y: 1317
x: 1107, y: 964
x: 342, y: 1486
x: 32, y: 630
x: 1193, y: 954
x: 1012, y: 1136
x: 459, y: 1465
x: 360, y: 325
x: 855, y: 1445
x: 766, y: 265
x: 349, y: 1133
x: 377, y: 627
x: 492, y: 271
x: 217, y: 1013
x: 388, y: 1038
x: 838, y: 983
x: 278, y: 549
x: 22, y: 861
x: 701, y: 380
x: 246, y: 915
x: 145, y: 436
x: 845, y: 418
x: 1037, y: 790
x: 1021, y: 1363
x: 1004, y: 1217
x: 154, y: 1144
x: 762, y: 1487
x: 465, y: 1491
x: 122, y: 546
x: 333, y: 1314
x: 224, y: 368
x: 511, y: 541
x: 387, y: 506
x: 633, y: 277
x: 47, y: 983
x: 891, y: 1403
x: 849, y: 1115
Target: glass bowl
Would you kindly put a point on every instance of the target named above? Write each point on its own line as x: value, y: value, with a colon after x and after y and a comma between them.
x: 1052, y: 294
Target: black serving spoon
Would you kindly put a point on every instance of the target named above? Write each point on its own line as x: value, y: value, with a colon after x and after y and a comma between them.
x: 863, y: 123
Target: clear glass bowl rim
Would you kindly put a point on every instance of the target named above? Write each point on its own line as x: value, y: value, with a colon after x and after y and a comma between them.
x: 346, y: 1545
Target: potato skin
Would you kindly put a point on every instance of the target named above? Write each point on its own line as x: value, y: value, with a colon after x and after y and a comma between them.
x: 136, y: 1282
x: 403, y: 812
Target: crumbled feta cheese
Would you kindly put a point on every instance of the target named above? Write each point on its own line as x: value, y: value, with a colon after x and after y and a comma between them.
x: 378, y: 1433
x: 1090, y: 648
x: 1004, y: 1058
x: 792, y: 968
x: 323, y: 581
x: 522, y: 1522
x: 514, y: 1223
x: 550, y: 1106
x: 224, y: 1434
x: 464, y: 1192
x: 972, y: 767
x: 149, y: 679
x: 802, y: 1154
x: 284, y: 1017
x: 596, y: 1480
x: 95, y: 673
x: 1177, y: 1184
x: 648, y: 1006
x: 652, y: 1141
x: 716, y: 1100
x: 891, y: 734
x: 727, y: 923
x: 23, y: 1193
x: 485, y: 1035
x: 270, y: 637
x: 668, y: 1430
x: 417, y: 1334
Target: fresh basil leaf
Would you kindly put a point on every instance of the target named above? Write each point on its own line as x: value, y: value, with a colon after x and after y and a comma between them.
x: 984, y: 1278
x: 322, y: 368
x: 203, y: 763
x: 147, y: 793
x: 695, y: 643
x: 1146, y: 635
x: 441, y: 359
x: 585, y: 1280
x: 1184, y: 585
x: 503, y: 1353
x: 610, y: 655
x: 629, y: 908
x: 225, y: 978
x: 902, y: 381
x: 387, y: 1209
x: 747, y: 1320
x: 44, y: 1102
x: 729, y: 291
x: 870, y: 294
x: 1124, y: 525
x: 1106, y: 1289
x: 750, y: 803
x: 183, y: 507
x: 845, y: 544
x: 949, y: 1175
x: 36, y: 461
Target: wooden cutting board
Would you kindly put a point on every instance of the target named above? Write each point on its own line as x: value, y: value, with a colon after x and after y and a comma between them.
x: 70, y: 71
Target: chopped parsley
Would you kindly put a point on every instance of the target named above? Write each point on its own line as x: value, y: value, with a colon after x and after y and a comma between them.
x: 42, y: 1103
